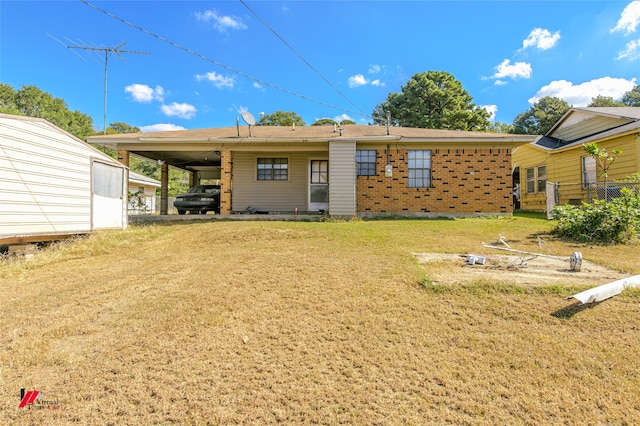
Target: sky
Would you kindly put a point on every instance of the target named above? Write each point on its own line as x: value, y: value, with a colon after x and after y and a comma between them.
x: 201, y: 64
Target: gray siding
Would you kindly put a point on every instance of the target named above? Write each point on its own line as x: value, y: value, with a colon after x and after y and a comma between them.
x: 342, y: 178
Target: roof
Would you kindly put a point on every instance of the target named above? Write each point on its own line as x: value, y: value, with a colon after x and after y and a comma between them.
x: 325, y: 133
x: 138, y: 178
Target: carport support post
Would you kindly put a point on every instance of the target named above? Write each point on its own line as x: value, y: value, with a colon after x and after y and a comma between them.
x: 164, y: 189
x: 123, y: 157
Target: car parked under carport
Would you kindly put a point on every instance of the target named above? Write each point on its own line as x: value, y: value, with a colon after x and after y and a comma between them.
x: 200, y: 199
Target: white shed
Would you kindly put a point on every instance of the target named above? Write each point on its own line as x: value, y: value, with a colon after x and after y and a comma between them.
x: 52, y: 184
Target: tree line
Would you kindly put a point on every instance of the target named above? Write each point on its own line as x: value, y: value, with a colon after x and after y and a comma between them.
x: 432, y: 99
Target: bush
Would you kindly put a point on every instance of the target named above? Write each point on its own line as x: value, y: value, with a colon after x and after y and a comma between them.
x: 614, y: 221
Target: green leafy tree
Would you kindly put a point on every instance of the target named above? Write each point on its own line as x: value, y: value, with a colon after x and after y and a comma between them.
x: 541, y: 117
x: 605, y: 101
x: 499, y: 127
x: 119, y: 127
x: 434, y: 100
x: 603, y: 159
x: 282, y: 118
x: 331, y: 122
x: 33, y: 102
x: 632, y: 97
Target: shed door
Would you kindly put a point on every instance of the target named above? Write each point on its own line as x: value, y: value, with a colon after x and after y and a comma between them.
x: 107, y: 196
x: 319, y: 185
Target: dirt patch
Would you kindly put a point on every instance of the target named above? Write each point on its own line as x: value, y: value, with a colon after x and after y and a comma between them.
x: 516, y: 269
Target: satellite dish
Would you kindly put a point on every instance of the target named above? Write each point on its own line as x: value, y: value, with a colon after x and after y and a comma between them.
x: 248, y: 118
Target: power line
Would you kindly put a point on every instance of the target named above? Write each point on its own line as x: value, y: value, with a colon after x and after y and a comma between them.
x: 245, y: 75
x: 300, y: 56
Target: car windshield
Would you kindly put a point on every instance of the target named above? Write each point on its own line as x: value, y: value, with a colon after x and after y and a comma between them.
x: 204, y: 189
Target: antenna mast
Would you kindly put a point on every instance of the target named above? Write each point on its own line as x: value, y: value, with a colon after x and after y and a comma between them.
x: 108, y: 51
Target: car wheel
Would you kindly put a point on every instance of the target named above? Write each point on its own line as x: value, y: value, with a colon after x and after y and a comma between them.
x: 182, y: 211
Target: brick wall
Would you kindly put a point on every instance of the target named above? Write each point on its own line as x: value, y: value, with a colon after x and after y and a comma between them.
x: 226, y: 169
x: 466, y: 181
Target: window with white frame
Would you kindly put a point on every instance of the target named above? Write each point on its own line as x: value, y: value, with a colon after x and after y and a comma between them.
x: 536, y: 179
x: 273, y: 168
x: 419, y: 168
x: 542, y: 178
x: 366, y: 162
x: 588, y: 170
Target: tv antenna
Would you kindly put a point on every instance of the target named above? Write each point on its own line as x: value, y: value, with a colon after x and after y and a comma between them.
x: 107, y: 52
x: 249, y: 119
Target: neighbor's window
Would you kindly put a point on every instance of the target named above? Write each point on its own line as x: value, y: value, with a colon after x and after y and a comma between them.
x: 419, y: 168
x: 588, y: 171
x: 273, y: 168
x: 536, y: 179
x: 542, y: 178
x: 366, y: 162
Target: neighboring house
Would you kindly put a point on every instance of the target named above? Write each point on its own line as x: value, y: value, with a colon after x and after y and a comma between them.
x: 53, y: 185
x: 142, y: 194
x: 347, y: 171
x: 555, y: 169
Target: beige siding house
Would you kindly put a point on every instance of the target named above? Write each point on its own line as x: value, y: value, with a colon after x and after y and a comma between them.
x: 555, y: 169
x: 53, y: 184
x: 354, y: 170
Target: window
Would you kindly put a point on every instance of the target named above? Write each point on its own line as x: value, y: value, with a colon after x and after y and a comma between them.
x: 319, y: 171
x: 419, y: 169
x: 107, y: 180
x: 531, y: 180
x: 273, y: 169
x: 588, y: 171
x: 542, y: 178
x: 366, y: 162
x: 536, y: 179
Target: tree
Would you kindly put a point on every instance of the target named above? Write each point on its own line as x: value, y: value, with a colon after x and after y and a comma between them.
x: 119, y: 127
x: 331, y: 122
x: 603, y: 158
x: 499, y: 127
x: 434, y: 100
x: 541, y: 117
x: 33, y: 102
x: 282, y: 118
x: 632, y: 97
x: 605, y: 101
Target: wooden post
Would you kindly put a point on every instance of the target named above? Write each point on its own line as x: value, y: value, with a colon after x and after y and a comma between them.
x: 123, y: 157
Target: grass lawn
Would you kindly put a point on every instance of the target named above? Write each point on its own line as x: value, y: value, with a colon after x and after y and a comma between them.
x: 329, y: 323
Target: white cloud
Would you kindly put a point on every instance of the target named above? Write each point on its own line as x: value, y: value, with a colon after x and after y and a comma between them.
x: 340, y: 118
x: 541, y: 38
x: 357, y: 80
x: 629, y: 18
x: 218, y: 80
x: 491, y: 109
x: 374, y: 69
x: 221, y: 23
x: 580, y: 95
x: 516, y: 70
x: 179, y: 110
x: 631, y: 51
x: 161, y: 127
x: 377, y: 83
x: 144, y: 93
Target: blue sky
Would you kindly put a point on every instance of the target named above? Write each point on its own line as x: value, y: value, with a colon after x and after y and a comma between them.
x: 211, y: 60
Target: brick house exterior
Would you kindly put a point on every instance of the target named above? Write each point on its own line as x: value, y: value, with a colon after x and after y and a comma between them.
x: 463, y: 173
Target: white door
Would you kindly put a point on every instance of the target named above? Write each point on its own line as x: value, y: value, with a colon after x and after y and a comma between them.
x: 319, y: 185
x: 107, y: 196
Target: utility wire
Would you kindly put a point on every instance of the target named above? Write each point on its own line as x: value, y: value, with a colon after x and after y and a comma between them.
x: 176, y: 45
x: 300, y: 56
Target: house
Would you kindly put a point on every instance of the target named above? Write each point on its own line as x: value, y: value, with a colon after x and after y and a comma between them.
x: 344, y: 171
x: 555, y: 169
x: 142, y: 194
x: 53, y: 185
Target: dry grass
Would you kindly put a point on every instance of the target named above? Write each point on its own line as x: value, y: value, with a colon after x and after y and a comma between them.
x: 328, y: 323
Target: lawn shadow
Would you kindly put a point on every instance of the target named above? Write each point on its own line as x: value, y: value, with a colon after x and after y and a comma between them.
x: 574, y: 309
